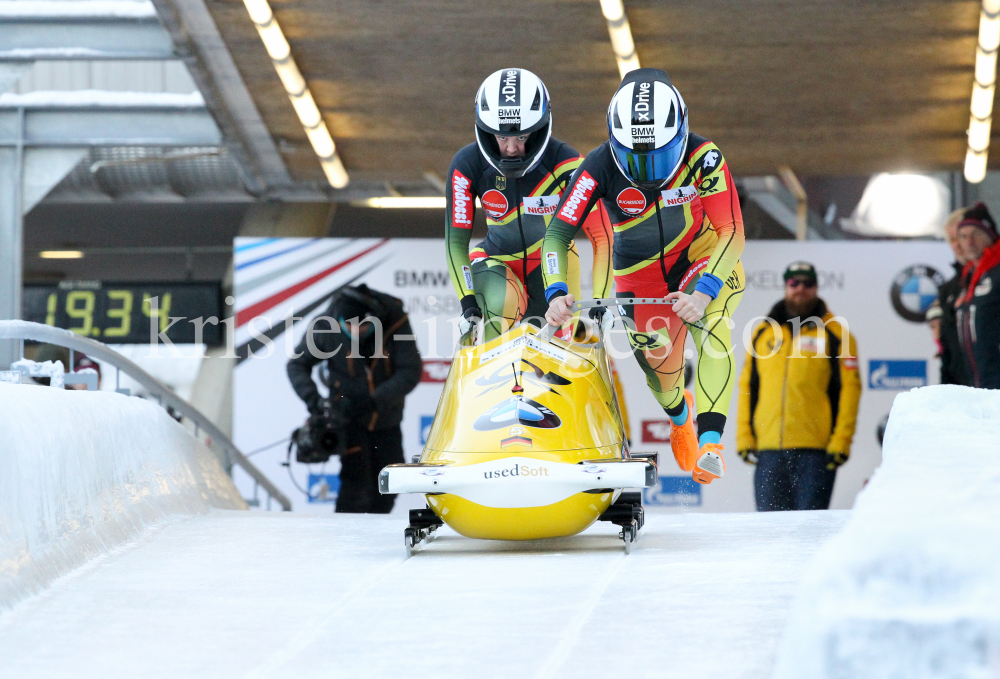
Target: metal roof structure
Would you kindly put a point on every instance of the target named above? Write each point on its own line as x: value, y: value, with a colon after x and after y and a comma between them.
x: 827, y: 88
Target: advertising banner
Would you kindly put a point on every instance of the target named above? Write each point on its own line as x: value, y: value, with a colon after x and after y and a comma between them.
x: 881, y: 288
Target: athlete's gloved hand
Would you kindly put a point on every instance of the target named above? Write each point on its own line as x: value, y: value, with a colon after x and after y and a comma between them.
x: 597, y: 313
x: 470, y: 316
x: 559, y: 312
x: 750, y: 456
x: 691, y: 307
x: 835, y: 458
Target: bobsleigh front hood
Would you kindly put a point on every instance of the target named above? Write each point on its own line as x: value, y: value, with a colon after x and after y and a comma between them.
x: 521, y: 394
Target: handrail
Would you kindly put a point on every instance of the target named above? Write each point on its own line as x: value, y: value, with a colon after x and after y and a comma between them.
x: 38, y: 332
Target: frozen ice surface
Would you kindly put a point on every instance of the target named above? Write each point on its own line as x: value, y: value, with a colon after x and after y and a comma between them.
x: 241, y: 594
x: 84, y: 472
x: 911, y: 588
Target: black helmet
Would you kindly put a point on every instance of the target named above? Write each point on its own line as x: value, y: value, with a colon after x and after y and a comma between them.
x: 648, y: 128
x: 513, y: 102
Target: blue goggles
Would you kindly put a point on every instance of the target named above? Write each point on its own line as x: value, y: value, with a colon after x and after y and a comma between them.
x: 651, y: 169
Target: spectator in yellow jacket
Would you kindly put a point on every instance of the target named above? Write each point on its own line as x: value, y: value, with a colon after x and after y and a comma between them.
x: 798, y: 402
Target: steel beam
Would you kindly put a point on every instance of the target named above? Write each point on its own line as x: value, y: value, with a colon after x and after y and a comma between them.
x: 90, y: 39
x: 109, y: 126
x: 114, y: 29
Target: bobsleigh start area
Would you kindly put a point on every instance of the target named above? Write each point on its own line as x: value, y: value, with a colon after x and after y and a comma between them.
x: 527, y: 443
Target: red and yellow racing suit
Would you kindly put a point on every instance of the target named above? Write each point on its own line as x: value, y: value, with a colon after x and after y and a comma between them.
x: 686, y: 236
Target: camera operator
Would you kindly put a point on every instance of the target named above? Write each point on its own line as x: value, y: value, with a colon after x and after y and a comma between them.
x: 368, y: 345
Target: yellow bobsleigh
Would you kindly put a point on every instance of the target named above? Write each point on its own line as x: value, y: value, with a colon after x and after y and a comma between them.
x: 527, y: 443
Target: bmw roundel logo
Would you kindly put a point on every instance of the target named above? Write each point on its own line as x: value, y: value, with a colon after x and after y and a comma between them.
x: 913, y: 290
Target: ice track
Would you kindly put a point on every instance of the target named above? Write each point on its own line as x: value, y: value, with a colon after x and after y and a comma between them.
x: 237, y: 594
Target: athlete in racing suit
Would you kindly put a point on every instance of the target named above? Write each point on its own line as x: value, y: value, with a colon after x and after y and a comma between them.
x: 681, y: 239
x: 500, y: 280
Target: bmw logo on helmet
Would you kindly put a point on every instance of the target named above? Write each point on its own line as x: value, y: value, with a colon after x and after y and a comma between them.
x: 913, y: 291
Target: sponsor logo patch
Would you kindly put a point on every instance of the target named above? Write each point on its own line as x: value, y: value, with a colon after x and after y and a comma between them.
x: 631, y: 201
x: 462, y: 205
x: 495, y: 203
x: 679, y: 196
x: 542, y: 206
x: 582, y: 189
x: 467, y: 275
x: 896, y: 375
x: 552, y: 263
x: 710, y: 160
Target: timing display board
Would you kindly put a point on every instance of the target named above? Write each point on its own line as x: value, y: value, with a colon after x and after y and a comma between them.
x: 129, y: 313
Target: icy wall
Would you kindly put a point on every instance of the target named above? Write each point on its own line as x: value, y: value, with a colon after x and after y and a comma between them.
x: 911, y: 587
x: 81, y: 473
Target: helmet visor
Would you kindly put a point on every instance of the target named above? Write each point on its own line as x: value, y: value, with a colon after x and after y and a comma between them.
x: 650, y: 167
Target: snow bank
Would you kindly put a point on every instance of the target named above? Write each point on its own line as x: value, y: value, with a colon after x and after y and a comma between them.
x: 911, y: 587
x: 84, y: 472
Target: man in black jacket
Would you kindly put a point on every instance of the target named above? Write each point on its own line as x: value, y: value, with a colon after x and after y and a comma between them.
x: 368, y: 345
x: 952, y: 361
x: 979, y: 305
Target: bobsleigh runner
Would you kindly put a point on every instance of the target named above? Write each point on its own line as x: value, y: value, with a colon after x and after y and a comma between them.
x: 527, y: 443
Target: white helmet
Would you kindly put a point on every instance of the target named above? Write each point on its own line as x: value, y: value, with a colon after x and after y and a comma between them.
x: 513, y: 102
x: 648, y: 128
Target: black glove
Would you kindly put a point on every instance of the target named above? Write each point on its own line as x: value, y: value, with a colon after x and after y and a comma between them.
x: 835, y: 459
x: 750, y: 456
x: 470, y: 309
x: 473, y: 314
x: 597, y: 313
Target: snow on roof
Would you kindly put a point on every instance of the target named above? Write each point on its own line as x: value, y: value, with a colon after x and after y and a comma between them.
x: 123, y: 9
x: 101, y: 98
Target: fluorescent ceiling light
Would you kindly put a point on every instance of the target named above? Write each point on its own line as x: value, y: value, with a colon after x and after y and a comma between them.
x: 621, y: 36
x: 983, y: 89
x: 298, y: 92
x: 404, y: 201
x: 907, y: 205
x: 61, y: 254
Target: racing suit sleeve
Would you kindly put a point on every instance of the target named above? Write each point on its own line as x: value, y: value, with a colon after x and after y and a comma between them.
x: 597, y: 226
x: 722, y: 208
x: 850, y: 393
x: 577, y: 201
x: 459, y: 214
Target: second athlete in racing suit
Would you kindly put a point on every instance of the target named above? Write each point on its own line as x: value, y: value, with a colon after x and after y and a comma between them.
x: 500, y: 279
x: 677, y: 228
